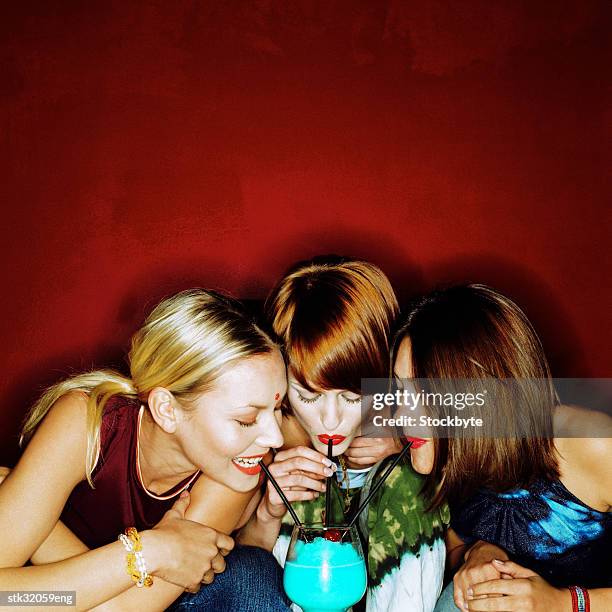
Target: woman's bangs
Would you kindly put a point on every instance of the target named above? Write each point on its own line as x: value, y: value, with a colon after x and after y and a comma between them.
x: 335, y: 361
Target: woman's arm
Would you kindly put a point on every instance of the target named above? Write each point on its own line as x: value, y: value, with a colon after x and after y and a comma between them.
x: 601, y: 600
x: 474, y: 563
x: 455, y: 550
x: 216, y: 505
x: 33, y: 496
x: 94, y: 576
x: 60, y: 544
x: 528, y: 591
x: 596, y: 456
x: 35, y: 492
x: 261, y: 530
x: 212, y: 504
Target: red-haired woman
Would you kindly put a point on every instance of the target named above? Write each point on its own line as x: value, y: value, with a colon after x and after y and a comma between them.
x: 334, y: 319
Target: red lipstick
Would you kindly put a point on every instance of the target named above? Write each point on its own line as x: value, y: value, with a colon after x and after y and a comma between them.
x: 416, y: 442
x: 325, y: 438
x: 248, y: 465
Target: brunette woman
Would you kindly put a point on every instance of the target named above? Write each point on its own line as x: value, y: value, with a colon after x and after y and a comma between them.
x: 531, y: 514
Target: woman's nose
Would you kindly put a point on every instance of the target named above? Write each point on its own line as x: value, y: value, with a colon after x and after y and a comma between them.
x: 271, y: 435
x: 331, y: 415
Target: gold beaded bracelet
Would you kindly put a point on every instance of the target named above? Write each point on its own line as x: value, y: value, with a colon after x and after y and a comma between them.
x: 135, y: 563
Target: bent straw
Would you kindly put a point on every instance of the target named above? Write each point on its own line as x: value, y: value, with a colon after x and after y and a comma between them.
x: 275, y: 484
x: 377, y: 486
x: 328, y: 485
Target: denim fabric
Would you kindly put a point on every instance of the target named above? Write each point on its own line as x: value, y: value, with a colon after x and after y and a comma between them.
x: 445, y: 602
x: 251, y: 582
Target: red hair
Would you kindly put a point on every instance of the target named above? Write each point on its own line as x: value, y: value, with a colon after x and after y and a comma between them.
x: 334, y: 318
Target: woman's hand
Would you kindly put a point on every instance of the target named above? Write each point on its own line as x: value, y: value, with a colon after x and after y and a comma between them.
x: 301, y: 474
x: 525, y: 590
x: 478, y: 567
x: 365, y: 451
x: 184, y: 552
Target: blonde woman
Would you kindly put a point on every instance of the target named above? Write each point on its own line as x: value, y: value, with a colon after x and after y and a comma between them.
x: 106, y: 452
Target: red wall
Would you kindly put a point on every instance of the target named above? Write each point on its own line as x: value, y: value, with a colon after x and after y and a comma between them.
x: 152, y: 146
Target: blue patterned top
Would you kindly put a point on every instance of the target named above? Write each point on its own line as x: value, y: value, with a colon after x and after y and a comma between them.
x: 545, y: 528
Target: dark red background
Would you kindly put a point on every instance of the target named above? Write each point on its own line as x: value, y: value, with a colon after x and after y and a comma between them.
x: 152, y: 146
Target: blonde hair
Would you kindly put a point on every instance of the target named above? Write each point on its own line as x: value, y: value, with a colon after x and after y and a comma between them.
x: 334, y: 317
x: 183, y: 346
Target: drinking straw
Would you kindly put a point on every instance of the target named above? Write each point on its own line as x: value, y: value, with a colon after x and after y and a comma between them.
x: 377, y: 486
x: 275, y: 484
x: 328, y: 485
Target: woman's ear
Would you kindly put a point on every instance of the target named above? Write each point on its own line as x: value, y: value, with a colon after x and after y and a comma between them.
x: 164, y: 409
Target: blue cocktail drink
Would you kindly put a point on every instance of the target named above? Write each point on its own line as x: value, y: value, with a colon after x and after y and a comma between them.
x: 322, y: 574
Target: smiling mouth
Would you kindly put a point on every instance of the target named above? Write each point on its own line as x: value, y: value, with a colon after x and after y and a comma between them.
x: 325, y: 438
x: 248, y: 465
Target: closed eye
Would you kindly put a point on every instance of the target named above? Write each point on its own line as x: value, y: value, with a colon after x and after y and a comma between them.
x: 308, y: 400
x: 245, y: 423
x: 277, y: 412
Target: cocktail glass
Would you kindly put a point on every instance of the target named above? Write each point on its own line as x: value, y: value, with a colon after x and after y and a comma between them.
x: 325, y: 569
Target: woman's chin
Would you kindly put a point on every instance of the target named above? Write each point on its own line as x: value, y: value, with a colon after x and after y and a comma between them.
x: 249, y: 484
x: 337, y: 449
x: 238, y: 482
x: 421, y: 464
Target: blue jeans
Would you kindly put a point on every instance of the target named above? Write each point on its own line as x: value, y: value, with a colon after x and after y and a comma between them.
x: 445, y: 602
x: 252, y: 582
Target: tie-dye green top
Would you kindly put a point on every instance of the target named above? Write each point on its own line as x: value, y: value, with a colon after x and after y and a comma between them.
x: 403, y: 543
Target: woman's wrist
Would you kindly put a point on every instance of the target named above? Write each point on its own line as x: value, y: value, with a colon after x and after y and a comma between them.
x: 261, y: 530
x: 579, y: 597
x: 153, y: 550
x: 564, y: 599
x: 264, y: 516
x: 487, y: 550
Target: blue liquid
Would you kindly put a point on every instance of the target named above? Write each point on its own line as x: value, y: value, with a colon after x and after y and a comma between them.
x: 325, y: 576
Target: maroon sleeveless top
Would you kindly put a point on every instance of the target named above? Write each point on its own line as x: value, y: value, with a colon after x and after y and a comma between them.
x: 119, y: 500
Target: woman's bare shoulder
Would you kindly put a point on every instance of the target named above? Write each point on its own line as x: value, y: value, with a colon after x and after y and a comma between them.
x: 586, y: 447
x: 572, y: 421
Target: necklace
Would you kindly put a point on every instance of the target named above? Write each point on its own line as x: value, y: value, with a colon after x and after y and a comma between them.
x: 346, y: 481
x: 139, y: 473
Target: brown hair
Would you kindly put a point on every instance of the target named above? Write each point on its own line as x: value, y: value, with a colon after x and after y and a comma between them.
x: 334, y: 317
x: 474, y: 332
